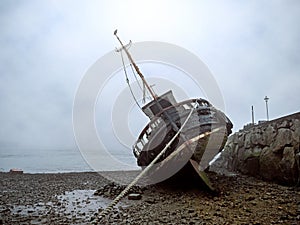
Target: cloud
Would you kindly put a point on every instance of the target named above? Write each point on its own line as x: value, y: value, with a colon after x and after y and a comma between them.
x: 47, y: 46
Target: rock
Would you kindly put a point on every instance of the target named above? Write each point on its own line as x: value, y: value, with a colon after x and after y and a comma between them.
x: 237, y: 193
x: 269, y: 164
x: 288, y: 165
x: 241, y: 139
x: 296, y: 130
x: 268, y: 135
x: 251, y: 166
x: 247, y: 142
x: 30, y: 211
x: 270, y: 150
x: 283, y: 138
x: 134, y: 196
x: 250, y: 198
x: 150, y: 200
x: 284, y: 124
x: 249, y: 153
x: 191, y: 210
x: 256, y: 137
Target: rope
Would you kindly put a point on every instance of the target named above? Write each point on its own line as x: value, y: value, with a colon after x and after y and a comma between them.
x: 127, y: 80
x: 106, y: 211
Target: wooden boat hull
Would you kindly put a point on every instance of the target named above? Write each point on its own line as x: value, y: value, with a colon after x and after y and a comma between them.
x: 202, y: 137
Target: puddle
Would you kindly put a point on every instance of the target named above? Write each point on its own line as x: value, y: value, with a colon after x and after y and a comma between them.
x: 74, y: 204
x: 32, y: 210
x: 82, y: 202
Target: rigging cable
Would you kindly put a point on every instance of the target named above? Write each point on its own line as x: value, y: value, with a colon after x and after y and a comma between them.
x: 127, y: 80
x: 143, y: 89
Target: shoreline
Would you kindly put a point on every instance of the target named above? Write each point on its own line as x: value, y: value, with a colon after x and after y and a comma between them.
x: 67, y: 172
x: 48, y: 198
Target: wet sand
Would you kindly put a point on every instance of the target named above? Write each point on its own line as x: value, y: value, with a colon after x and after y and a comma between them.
x: 68, y: 198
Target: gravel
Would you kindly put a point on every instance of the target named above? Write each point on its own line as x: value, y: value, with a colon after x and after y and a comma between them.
x: 69, y: 198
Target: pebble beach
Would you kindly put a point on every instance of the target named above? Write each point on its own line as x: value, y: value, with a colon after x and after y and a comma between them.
x: 69, y: 198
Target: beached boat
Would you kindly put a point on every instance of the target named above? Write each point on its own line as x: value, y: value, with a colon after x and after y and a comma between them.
x: 180, y: 135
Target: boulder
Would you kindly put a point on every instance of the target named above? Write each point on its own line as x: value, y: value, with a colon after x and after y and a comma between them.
x: 270, y: 150
x: 251, y: 166
x: 288, y: 165
x: 247, y: 142
x: 256, y: 137
x: 284, y: 138
x: 268, y: 135
x: 296, y: 130
x: 269, y: 164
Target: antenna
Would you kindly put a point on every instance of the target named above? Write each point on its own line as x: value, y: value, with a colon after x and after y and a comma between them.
x: 154, y: 96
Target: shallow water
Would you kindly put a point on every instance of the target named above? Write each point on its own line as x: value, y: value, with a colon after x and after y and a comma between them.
x: 80, y: 202
x: 74, y: 204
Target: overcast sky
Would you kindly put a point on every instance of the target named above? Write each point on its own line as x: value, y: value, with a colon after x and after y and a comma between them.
x: 251, y: 47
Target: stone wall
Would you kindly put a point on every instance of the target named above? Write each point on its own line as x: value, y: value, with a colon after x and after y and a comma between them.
x: 269, y: 150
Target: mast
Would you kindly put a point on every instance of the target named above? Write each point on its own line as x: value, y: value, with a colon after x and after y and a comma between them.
x: 154, y: 96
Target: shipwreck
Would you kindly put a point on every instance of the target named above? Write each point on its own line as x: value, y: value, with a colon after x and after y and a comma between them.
x: 181, y: 137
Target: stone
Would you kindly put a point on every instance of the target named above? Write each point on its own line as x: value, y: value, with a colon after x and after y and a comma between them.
x: 247, y: 143
x: 251, y: 166
x: 268, y: 135
x: 284, y: 124
x: 150, y: 201
x: 270, y: 150
x: 241, y: 138
x: 283, y: 138
x: 234, y: 138
x: 269, y: 164
x: 191, y: 210
x: 296, y: 130
x: 134, y: 196
x: 255, y: 136
x: 295, y: 124
x: 249, y: 198
x: 288, y: 165
x: 251, y: 153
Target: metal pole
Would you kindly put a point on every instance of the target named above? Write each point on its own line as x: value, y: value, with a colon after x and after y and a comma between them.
x: 252, y: 114
x: 266, y: 99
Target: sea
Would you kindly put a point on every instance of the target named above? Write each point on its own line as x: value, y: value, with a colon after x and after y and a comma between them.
x: 57, y: 161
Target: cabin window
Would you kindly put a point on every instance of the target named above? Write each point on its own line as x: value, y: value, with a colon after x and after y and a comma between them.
x: 137, y: 152
x: 142, y: 141
x: 155, y: 123
x: 145, y: 140
x: 160, y: 105
x: 202, y: 103
x: 139, y: 146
